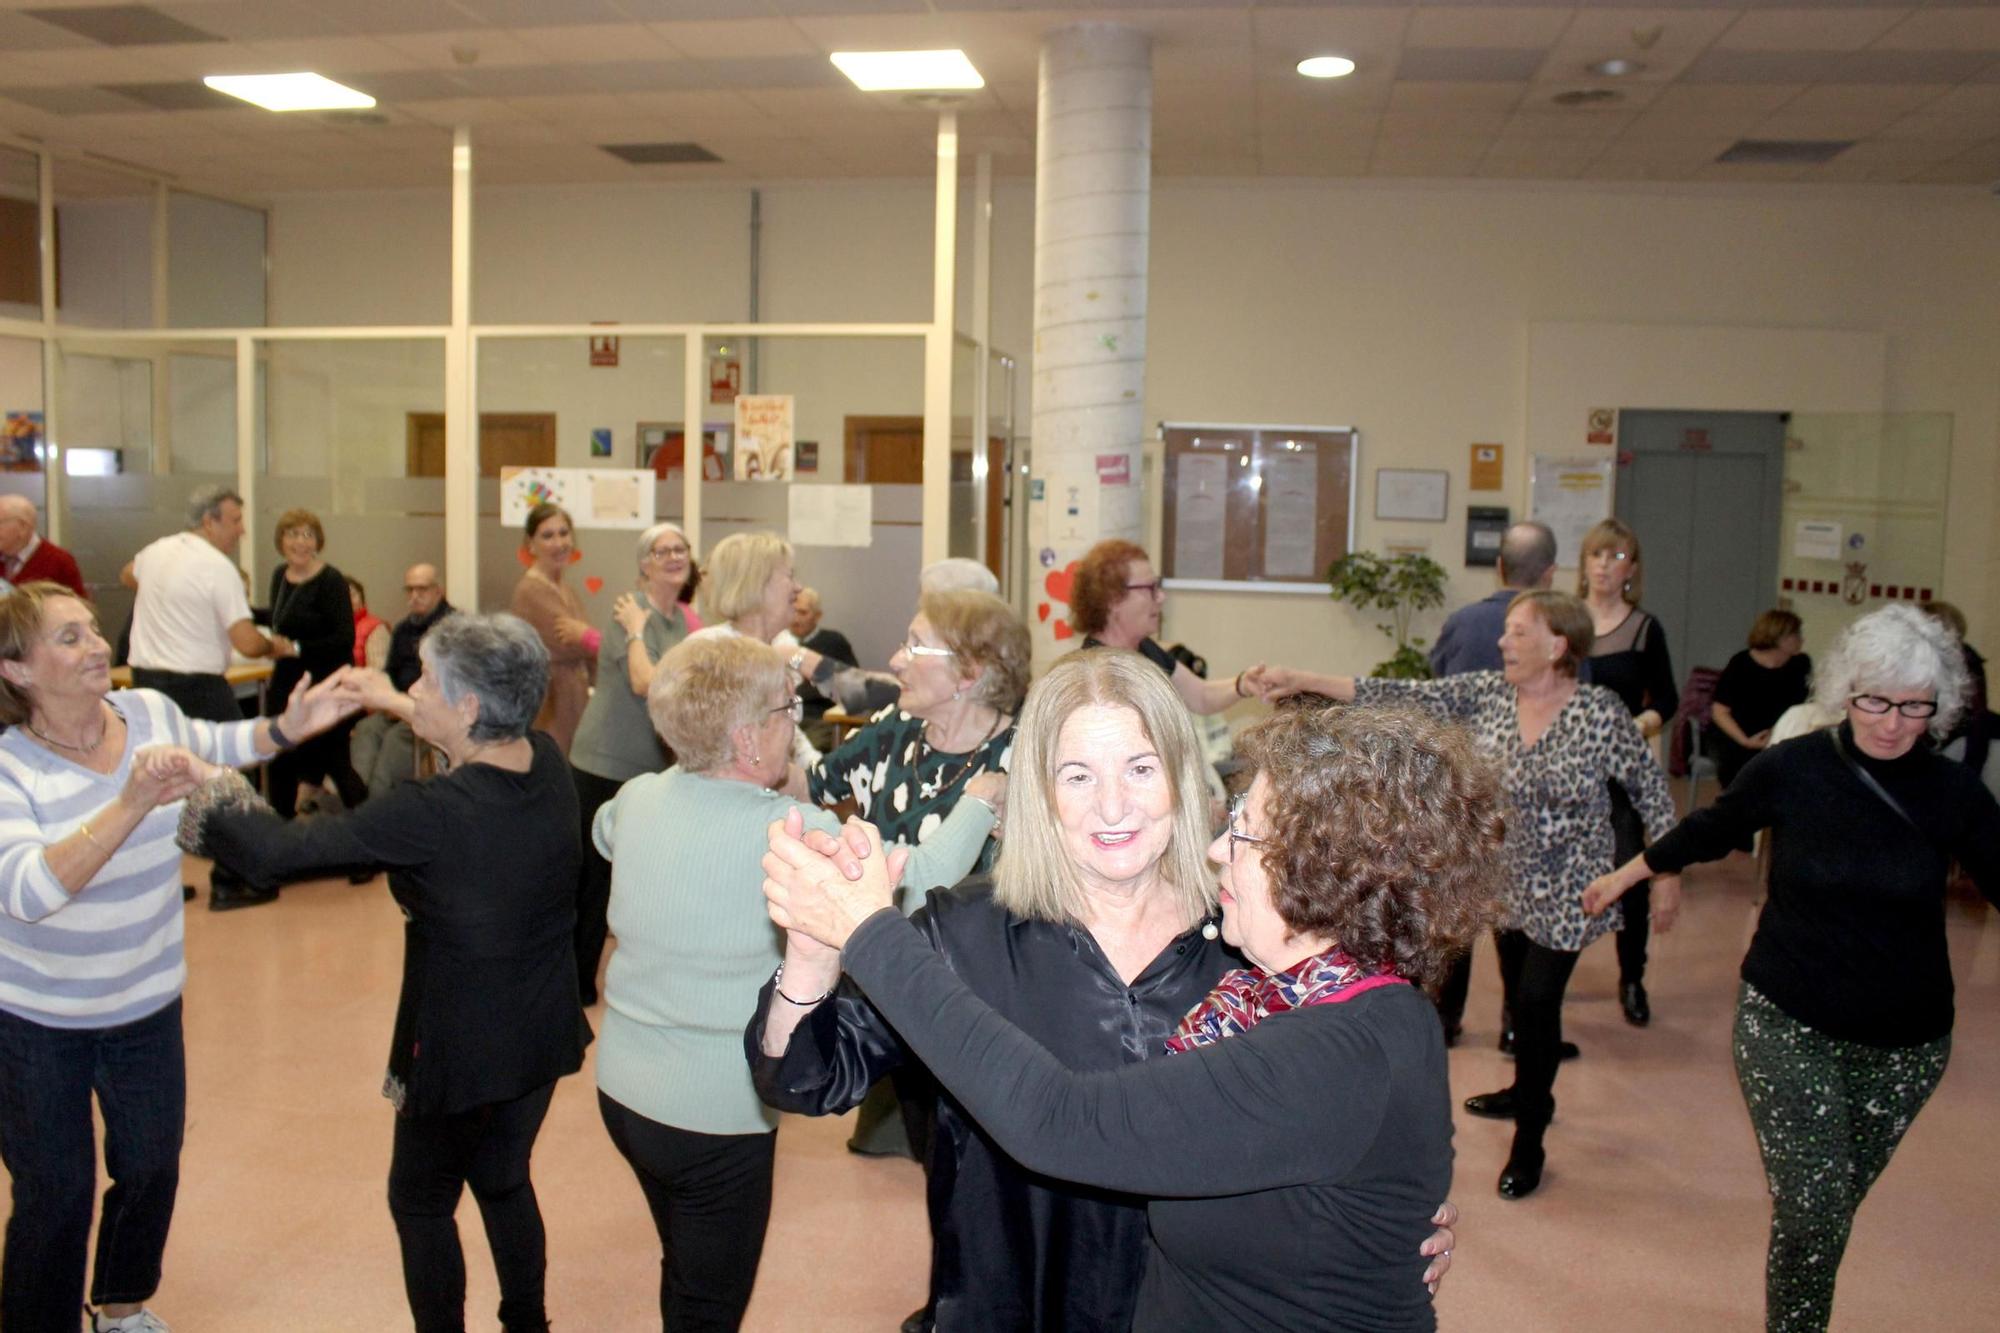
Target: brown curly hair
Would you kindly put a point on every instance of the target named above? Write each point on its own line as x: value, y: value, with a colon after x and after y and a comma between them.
x: 1385, y: 827
x: 1100, y: 583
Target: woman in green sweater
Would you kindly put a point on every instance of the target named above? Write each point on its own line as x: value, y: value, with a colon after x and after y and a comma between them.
x: 694, y: 948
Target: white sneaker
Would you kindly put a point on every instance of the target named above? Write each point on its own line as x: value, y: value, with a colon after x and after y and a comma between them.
x: 145, y: 1321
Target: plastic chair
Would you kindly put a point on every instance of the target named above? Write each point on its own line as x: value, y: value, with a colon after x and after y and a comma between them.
x: 1687, y: 755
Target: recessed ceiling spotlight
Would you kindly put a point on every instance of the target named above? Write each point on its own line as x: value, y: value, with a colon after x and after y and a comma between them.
x: 290, y: 92
x: 1616, y: 68
x: 1326, y: 67
x: 907, y: 71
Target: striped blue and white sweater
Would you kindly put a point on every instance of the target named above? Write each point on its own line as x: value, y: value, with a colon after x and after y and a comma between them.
x: 111, y: 954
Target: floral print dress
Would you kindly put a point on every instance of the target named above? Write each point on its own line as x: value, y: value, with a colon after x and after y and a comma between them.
x: 1559, y: 825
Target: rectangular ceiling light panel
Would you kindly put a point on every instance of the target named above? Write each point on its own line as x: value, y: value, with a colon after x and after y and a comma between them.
x: 908, y: 71
x: 290, y: 92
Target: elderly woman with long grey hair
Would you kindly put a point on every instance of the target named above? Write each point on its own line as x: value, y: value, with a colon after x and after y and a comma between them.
x: 482, y: 860
x: 1843, y: 1024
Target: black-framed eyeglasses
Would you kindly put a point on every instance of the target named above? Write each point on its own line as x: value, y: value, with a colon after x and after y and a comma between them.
x: 1878, y: 706
x: 1153, y: 587
x: 795, y: 706
x: 1239, y: 805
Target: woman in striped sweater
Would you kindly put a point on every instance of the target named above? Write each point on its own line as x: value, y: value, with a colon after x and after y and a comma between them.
x: 91, y: 963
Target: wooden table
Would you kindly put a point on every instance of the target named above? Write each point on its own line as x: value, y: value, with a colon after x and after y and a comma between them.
x: 238, y: 675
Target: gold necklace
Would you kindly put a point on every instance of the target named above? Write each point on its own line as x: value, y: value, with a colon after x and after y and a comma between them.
x: 46, y: 739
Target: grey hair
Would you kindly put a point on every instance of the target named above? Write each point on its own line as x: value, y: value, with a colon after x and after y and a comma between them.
x: 499, y: 660
x: 957, y: 573
x: 206, y: 502
x: 652, y: 534
x: 1896, y: 648
x: 1527, y: 551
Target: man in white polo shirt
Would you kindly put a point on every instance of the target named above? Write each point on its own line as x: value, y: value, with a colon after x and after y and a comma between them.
x: 191, y: 612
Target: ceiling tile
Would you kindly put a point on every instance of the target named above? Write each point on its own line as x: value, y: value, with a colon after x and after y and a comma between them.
x: 541, y: 13
x: 1911, y: 66
x: 1943, y: 127
x: 1809, y: 29
x: 1527, y: 27
x: 398, y: 16
x: 1964, y: 29
x: 415, y: 85
x: 1967, y: 99
x: 21, y: 33
x: 667, y: 10
x: 447, y: 48
x: 71, y: 101
x: 716, y: 104
x: 1762, y: 67
x: 123, y: 25
x: 1563, y: 123
x: 1866, y: 97
x: 1407, y: 95
x: 1821, y: 125
x: 1370, y: 35
x: 1720, y: 97
x: 591, y: 43
x: 254, y: 20
x: 1443, y: 124
x: 1528, y: 168
x: 1748, y: 171
x: 331, y: 56
x: 1477, y: 64
x: 1657, y: 124
x: 96, y: 64
x: 742, y: 38
x: 1676, y: 38
x: 806, y: 103
x: 1544, y: 150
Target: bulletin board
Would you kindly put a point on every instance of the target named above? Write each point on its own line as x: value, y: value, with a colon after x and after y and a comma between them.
x: 1267, y: 507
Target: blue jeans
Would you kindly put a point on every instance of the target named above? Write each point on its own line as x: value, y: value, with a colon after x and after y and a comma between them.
x: 47, y: 1075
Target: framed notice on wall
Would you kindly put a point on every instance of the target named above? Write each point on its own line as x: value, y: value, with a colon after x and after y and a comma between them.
x: 1255, y: 506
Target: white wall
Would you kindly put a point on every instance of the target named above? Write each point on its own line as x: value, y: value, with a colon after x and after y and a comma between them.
x: 1404, y: 309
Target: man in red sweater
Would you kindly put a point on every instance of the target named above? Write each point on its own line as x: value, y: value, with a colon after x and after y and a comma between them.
x: 25, y: 556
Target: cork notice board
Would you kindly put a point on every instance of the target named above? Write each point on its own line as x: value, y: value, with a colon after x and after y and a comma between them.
x: 1263, y: 506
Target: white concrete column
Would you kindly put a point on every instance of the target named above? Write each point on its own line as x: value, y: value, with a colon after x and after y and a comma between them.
x: 461, y: 396
x: 938, y: 346
x: 1093, y: 183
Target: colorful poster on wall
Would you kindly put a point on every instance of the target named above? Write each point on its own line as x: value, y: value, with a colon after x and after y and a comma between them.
x: 21, y: 442
x: 594, y: 497
x: 764, y: 424
x: 600, y: 442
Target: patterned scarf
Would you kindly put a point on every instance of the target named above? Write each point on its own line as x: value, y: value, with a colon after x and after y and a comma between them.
x: 1245, y: 997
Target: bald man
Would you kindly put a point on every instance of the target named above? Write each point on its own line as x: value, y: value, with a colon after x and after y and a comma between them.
x: 25, y: 555
x: 383, y: 748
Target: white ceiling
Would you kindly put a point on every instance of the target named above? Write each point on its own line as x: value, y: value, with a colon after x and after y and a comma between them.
x: 1443, y: 90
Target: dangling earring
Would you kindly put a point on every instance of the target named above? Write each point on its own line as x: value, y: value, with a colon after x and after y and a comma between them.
x: 956, y: 695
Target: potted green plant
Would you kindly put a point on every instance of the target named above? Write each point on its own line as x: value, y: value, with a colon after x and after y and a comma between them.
x: 1402, y: 585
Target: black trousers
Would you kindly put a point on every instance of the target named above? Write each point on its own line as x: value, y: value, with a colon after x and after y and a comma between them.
x: 710, y: 1195
x: 593, y: 883
x: 1628, y: 836
x: 434, y: 1159
x: 314, y: 761
x: 1534, y: 979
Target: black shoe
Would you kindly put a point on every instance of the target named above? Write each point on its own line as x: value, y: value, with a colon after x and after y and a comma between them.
x: 1569, y: 1050
x: 227, y: 898
x: 1522, y: 1175
x: 919, y: 1322
x: 1452, y: 1032
x: 1492, y: 1105
x: 1632, y: 997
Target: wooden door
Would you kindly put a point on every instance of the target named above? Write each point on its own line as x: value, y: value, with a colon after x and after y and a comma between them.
x: 506, y: 439
x: 890, y: 451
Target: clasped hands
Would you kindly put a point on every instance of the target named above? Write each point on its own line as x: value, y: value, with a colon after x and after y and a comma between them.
x: 819, y: 887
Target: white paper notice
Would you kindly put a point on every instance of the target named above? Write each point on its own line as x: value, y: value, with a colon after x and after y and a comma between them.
x: 1072, y: 493
x: 595, y: 497
x: 830, y: 515
x: 1816, y: 539
x: 1201, y: 510
x: 1291, y: 514
x: 1572, y: 496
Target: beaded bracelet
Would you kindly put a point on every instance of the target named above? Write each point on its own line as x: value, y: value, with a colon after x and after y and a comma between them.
x: 777, y: 988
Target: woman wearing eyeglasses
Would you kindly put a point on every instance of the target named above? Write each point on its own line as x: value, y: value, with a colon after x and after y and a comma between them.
x: 614, y: 741
x: 693, y: 947
x: 1115, y: 601
x: 1843, y: 1023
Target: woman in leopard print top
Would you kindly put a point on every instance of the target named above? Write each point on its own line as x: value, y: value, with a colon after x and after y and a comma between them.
x: 1558, y: 743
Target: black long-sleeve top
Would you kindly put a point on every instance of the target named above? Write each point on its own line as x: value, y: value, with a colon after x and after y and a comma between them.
x: 1293, y: 1168
x: 1632, y: 662
x: 483, y: 863
x: 318, y: 616
x: 1851, y: 940
x: 1011, y: 1249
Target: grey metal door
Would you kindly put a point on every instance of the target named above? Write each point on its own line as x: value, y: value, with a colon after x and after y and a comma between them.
x: 1704, y: 491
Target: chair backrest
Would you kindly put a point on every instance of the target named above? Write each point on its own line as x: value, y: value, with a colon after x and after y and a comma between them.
x: 1697, y: 694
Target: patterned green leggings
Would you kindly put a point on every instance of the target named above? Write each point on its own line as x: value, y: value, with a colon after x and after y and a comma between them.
x: 1828, y: 1114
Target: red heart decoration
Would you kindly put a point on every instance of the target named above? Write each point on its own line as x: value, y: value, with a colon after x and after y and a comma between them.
x: 576, y: 555
x: 1059, y: 581
x: 595, y: 584
x: 1042, y: 611
x: 1063, y: 631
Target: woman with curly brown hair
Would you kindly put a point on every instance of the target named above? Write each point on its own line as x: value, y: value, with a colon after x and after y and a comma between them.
x: 1294, y: 1156
x: 1115, y: 602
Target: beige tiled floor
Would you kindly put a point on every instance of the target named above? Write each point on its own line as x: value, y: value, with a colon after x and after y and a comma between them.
x: 1652, y: 1216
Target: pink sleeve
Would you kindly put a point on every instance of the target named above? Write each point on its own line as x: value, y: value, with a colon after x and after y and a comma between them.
x: 593, y: 639
x: 693, y: 620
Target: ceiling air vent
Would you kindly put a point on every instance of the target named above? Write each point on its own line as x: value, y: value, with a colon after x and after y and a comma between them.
x: 1785, y: 152
x: 355, y: 118
x: 648, y: 154
x: 1588, y: 97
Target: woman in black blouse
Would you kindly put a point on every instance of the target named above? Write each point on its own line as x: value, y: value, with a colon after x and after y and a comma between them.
x: 1294, y: 1137
x: 1756, y: 688
x: 482, y: 860
x: 1843, y: 1023
x: 311, y: 608
x: 1629, y: 658
x: 1115, y: 602
x: 1095, y: 942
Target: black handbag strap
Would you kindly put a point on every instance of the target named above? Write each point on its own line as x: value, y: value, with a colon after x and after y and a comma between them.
x: 1869, y: 781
